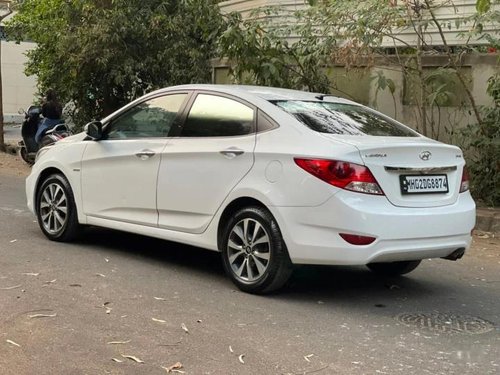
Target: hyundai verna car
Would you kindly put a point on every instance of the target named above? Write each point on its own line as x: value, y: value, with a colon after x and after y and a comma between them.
x: 269, y: 177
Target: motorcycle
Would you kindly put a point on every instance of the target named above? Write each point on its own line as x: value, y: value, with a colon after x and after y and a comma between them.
x: 28, y: 147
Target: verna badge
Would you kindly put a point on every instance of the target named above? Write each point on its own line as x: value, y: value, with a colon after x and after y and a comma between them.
x: 425, y: 155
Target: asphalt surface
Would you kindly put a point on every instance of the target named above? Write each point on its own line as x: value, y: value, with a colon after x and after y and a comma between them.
x: 76, y: 308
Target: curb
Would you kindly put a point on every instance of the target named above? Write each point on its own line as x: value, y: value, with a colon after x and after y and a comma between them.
x: 488, y: 220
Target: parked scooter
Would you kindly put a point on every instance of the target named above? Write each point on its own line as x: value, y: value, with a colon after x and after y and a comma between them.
x: 28, y: 147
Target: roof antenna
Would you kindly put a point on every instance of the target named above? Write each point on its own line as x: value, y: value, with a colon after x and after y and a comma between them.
x: 320, y: 97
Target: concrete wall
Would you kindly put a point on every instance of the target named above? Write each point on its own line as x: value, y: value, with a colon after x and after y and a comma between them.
x: 18, y: 90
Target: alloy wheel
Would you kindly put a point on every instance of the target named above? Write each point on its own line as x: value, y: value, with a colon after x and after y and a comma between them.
x: 53, y: 208
x: 249, y: 250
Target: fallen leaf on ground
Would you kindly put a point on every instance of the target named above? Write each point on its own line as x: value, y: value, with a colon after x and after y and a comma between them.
x: 183, y: 326
x: 118, y: 342
x: 240, y: 358
x: 42, y: 316
x: 158, y: 320
x: 13, y: 343
x: 100, y: 274
x: 11, y: 287
x: 133, y: 358
x: 106, y: 259
x: 174, y: 368
x: 75, y: 285
x: 108, y: 310
x: 306, y: 357
x: 50, y: 282
x: 116, y: 360
x: 159, y: 298
x: 231, y: 349
x: 199, y: 321
x: 13, y: 241
x: 31, y: 273
x: 177, y: 343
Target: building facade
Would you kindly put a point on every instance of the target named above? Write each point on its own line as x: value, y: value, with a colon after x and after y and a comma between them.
x: 18, y: 89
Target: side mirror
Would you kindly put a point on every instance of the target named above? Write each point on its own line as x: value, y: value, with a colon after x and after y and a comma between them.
x: 94, y: 130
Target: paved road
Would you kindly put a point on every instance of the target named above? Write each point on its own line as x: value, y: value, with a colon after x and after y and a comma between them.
x: 116, y: 287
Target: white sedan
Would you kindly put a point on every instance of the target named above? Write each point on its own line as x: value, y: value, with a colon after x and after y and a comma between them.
x: 269, y: 177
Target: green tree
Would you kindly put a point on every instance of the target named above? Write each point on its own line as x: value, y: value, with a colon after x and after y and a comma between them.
x: 101, y: 54
x: 261, y: 50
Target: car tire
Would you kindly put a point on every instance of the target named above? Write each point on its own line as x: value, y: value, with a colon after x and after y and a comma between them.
x: 56, y: 209
x: 23, y: 153
x: 253, y: 251
x: 394, y: 268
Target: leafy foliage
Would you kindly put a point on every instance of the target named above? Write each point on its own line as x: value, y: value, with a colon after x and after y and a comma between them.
x: 482, y: 145
x: 262, y: 53
x: 100, y: 54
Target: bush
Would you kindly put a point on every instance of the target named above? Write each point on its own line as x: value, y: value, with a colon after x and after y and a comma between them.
x: 482, y: 150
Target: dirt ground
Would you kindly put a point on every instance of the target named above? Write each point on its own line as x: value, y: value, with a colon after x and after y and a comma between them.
x: 13, y: 165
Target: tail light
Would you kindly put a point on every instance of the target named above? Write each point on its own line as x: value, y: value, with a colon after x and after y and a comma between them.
x: 464, y: 184
x: 344, y: 175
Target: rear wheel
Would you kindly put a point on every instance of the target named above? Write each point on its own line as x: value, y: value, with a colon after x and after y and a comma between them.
x: 56, y: 209
x: 254, y: 253
x: 394, y: 268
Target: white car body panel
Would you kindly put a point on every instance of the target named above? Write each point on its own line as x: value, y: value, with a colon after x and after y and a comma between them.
x: 195, y: 178
x: 185, y: 188
x: 119, y: 185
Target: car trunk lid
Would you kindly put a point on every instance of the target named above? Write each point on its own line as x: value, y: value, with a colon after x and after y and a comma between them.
x: 412, y: 172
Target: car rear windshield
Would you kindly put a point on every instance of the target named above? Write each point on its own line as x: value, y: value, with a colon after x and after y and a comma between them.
x: 342, y: 118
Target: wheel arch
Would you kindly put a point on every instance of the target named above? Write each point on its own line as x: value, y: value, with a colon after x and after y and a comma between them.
x: 230, y: 209
x: 41, y: 178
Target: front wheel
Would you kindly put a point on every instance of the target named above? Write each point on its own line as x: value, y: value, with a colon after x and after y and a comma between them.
x: 23, y: 153
x: 394, y: 268
x: 56, y: 209
x: 254, y: 253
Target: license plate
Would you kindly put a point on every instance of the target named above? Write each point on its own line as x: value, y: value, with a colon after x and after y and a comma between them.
x: 422, y: 184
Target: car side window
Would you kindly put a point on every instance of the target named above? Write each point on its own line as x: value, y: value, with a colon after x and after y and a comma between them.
x: 217, y: 116
x: 152, y: 118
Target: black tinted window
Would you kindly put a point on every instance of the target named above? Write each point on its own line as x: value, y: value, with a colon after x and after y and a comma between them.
x: 216, y: 116
x: 152, y: 118
x: 345, y: 119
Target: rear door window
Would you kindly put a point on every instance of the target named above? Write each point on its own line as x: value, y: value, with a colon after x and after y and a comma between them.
x: 218, y: 116
x: 344, y: 119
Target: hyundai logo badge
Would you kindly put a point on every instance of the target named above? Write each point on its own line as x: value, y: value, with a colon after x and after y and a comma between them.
x: 426, y: 155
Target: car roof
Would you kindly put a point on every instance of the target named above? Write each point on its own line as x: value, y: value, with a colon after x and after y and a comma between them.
x: 264, y: 92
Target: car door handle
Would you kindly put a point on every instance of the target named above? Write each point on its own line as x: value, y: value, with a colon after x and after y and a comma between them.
x: 231, y: 153
x: 145, y: 154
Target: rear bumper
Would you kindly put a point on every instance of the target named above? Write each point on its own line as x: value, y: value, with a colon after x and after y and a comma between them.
x: 312, y: 233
